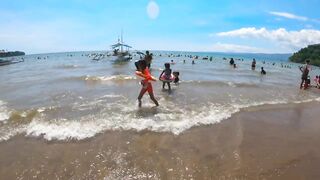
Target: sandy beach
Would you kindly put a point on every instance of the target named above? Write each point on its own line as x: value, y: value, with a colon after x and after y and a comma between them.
x: 263, y: 142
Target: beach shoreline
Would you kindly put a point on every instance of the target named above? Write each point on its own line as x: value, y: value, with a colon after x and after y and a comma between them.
x: 263, y: 142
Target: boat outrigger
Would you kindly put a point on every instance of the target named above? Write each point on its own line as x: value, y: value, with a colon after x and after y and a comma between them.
x: 7, y: 62
x: 121, y: 50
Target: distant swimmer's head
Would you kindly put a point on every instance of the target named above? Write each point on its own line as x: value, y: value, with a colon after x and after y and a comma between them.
x: 167, y: 65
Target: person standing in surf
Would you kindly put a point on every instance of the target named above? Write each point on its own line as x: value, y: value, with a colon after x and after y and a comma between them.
x: 253, y: 65
x: 143, y: 71
x: 165, y: 76
x: 148, y: 59
x: 305, y: 72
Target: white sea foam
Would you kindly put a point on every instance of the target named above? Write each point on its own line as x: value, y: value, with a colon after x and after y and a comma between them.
x: 108, y: 78
x: 126, y: 116
x: 163, y: 119
x: 4, y: 112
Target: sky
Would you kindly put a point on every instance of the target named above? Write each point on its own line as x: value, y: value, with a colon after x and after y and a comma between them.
x: 255, y: 26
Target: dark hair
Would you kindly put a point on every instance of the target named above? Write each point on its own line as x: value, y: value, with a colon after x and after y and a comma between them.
x: 176, y: 73
x: 147, y: 52
x: 140, y: 65
x: 167, y: 65
x: 308, y: 61
x: 261, y: 67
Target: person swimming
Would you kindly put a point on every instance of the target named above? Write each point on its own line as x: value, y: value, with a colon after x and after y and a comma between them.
x: 165, y: 76
x: 143, y: 71
x: 263, y: 72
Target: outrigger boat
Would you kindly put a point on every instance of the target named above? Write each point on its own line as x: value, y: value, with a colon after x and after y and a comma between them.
x: 121, y: 50
x: 7, y: 62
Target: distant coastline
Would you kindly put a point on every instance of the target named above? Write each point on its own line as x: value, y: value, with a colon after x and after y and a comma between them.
x: 11, y: 53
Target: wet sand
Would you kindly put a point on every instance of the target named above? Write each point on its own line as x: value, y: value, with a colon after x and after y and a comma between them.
x: 266, y: 142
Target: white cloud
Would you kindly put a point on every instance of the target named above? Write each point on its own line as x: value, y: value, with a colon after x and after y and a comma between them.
x: 153, y: 10
x: 289, y: 15
x: 291, y: 39
x: 223, y: 47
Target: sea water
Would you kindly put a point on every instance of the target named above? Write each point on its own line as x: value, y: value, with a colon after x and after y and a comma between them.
x: 64, y: 96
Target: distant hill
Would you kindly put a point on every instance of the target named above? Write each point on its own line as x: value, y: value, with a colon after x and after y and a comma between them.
x: 11, y: 53
x: 312, y: 52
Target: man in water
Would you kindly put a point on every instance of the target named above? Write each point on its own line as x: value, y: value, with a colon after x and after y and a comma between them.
x: 148, y: 59
x: 305, y: 72
x: 263, y: 72
x: 231, y: 61
x: 253, y: 65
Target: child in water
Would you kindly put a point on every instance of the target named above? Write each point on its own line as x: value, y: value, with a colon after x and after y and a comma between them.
x: 317, y: 81
x: 143, y: 71
x: 167, y: 76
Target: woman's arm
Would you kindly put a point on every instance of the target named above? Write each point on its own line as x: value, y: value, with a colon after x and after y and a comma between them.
x: 138, y: 73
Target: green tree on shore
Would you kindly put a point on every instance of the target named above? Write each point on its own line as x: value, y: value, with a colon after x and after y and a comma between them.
x: 312, y: 52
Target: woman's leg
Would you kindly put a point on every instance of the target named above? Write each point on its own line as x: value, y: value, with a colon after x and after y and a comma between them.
x: 143, y: 90
x: 150, y: 91
x: 169, y: 86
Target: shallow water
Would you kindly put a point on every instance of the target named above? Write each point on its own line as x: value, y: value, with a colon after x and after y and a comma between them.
x: 73, y: 97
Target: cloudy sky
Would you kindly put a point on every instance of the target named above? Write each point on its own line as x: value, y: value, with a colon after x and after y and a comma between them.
x: 267, y: 26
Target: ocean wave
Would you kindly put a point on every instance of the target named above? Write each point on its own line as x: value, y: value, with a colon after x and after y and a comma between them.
x: 4, y: 112
x: 114, y: 78
x: 220, y: 83
x: 124, y: 115
x: 68, y: 66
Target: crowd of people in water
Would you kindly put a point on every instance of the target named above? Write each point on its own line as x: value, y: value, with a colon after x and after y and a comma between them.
x: 167, y: 76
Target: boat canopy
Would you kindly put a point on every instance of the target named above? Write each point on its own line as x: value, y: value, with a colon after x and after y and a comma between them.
x: 119, y: 45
